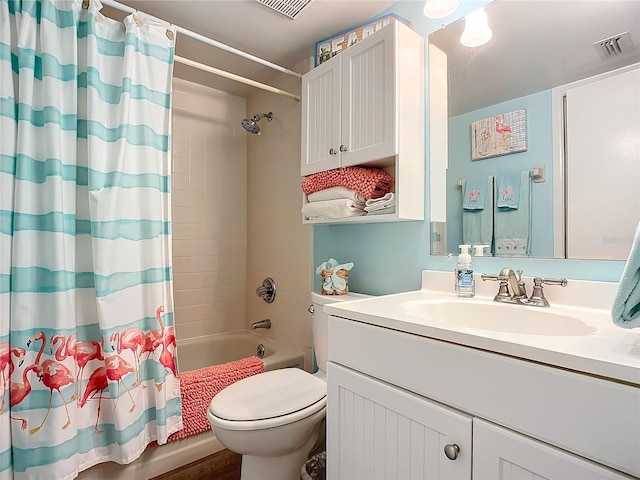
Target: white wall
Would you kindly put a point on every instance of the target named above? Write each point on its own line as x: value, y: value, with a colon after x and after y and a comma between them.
x: 279, y: 245
x: 236, y: 214
x: 209, y: 210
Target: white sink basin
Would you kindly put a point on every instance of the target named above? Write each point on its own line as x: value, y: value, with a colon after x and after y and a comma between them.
x: 498, y: 317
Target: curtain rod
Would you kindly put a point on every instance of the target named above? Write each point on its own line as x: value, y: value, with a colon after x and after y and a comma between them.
x: 214, y: 43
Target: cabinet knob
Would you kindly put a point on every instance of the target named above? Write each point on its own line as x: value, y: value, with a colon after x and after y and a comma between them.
x: 332, y: 151
x: 451, y: 450
x: 343, y: 148
x: 311, y: 309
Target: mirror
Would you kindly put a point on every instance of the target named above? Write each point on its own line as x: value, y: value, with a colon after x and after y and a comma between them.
x: 545, y: 57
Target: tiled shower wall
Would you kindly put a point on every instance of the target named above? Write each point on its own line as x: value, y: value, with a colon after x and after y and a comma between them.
x: 209, y: 210
x: 279, y: 246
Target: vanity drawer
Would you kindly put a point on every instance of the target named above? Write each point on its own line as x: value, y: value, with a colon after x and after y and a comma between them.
x: 589, y: 416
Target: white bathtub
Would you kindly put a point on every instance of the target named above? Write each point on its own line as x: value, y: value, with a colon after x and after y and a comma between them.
x: 193, y: 354
x: 208, y: 350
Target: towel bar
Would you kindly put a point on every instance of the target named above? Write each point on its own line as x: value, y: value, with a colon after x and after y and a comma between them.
x: 538, y: 174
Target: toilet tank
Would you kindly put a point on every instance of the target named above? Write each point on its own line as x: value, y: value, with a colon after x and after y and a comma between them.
x: 320, y: 322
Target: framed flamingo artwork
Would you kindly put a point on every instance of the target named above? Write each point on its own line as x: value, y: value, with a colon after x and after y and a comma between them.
x: 499, y: 135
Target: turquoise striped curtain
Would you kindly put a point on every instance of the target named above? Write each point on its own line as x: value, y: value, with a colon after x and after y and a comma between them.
x: 87, y: 342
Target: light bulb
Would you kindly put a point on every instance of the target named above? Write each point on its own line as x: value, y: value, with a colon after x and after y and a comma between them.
x: 439, y: 8
x: 476, y: 29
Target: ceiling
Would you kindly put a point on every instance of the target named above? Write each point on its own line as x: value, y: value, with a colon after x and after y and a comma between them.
x: 254, y: 28
x: 536, y: 45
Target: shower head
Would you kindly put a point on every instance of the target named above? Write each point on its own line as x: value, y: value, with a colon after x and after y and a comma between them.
x: 251, y: 125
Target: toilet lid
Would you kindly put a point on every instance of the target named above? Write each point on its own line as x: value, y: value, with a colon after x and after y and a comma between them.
x: 268, y: 395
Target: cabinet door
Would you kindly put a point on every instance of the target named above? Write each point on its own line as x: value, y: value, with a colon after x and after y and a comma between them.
x: 502, y: 454
x: 369, y: 99
x: 376, y: 430
x: 321, y: 118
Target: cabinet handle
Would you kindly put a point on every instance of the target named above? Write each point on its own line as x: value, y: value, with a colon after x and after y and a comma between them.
x: 343, y: 148
x: 311, y: 309
x: 451, y: 450
x: 332, y: 151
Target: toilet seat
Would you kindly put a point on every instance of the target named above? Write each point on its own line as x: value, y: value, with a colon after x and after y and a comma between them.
x: 268, y: 400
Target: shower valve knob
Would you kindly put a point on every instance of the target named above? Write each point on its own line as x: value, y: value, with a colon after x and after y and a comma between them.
x: 332, y: 151
x: 343, y: 148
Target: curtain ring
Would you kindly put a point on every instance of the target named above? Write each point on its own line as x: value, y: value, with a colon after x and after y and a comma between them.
x: 85, y: 4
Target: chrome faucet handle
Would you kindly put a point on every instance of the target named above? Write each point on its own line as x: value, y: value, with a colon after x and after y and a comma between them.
x: 521, y: 284
x: 267, y: 290
x: 503, y: 294
x: 537, y: 296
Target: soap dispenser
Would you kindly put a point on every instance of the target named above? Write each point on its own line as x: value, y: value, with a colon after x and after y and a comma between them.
x: 464, y: 282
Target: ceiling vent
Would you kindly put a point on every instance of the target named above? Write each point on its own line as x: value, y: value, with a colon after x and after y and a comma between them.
x: 288, y: 8
x: 614, y: 46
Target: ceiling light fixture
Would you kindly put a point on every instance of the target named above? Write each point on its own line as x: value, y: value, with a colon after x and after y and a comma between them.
x: 439, y: 8
x: 476, y: 29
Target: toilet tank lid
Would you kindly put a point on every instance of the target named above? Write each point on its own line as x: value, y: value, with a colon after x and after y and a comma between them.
x: 268, y: 395
x: 321, y: 299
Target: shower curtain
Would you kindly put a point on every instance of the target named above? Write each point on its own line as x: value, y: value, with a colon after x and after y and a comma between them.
x: 87, y: 342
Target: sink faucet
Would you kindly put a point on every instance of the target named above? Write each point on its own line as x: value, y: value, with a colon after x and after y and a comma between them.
x: 508, y: 278
x: 517, y: 285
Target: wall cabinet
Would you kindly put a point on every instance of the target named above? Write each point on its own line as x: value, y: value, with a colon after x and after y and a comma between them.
x: 509, y: 418
x: 365, y: 107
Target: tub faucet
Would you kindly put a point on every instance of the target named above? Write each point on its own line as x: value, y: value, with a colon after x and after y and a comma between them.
x: 261, y: 324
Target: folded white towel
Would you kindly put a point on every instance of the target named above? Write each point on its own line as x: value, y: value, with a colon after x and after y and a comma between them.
x: 383, y: 211
x: 333, y: 193
x: 338, y: 208
x: 381, y: 203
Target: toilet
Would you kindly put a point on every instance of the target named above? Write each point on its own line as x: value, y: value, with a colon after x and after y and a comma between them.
x: 273, y: 419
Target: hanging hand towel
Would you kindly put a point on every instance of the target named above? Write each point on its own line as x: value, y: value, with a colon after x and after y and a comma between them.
x: 339, y: 208
x: 474, y: 192
x: 508, y: 193
x: 512, y: 228
x: 477, y: 223
x: 626, y: 305
x: 388, y: 201
x: 334, y: 193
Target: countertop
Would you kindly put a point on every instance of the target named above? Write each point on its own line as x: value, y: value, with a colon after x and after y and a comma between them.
x: 608, y: 351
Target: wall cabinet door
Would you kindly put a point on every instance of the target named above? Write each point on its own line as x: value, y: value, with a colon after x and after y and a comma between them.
x: 501, y: 454
x: 321, y: 116
x: 349, y: 106
x: 375, y: 430
x: 368, y: 99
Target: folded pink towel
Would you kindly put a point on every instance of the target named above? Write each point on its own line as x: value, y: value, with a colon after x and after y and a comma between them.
x: 198, y: 387
x: 368, y: 182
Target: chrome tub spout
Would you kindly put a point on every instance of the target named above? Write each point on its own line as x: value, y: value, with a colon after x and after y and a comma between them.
x: 261, y: 324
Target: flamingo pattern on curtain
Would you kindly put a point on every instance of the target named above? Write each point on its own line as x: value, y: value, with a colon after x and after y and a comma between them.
x: 87, y: 342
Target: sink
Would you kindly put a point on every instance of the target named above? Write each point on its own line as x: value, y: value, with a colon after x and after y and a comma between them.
x: 499, y: 317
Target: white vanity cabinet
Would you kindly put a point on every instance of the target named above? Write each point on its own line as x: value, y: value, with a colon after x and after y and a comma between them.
x: 365, y: 107
x: 501, y: 454
x: 377, y: 430
x: 399, y: 399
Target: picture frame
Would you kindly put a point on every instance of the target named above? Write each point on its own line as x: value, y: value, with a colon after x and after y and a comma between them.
x: 501, y: 134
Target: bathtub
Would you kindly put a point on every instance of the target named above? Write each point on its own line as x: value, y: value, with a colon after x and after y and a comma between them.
x: 208, y: 350
x: 193, y: 354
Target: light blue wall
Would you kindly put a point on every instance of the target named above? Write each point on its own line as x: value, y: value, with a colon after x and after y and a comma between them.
x: 539, y: 152
x: 389, y: 257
